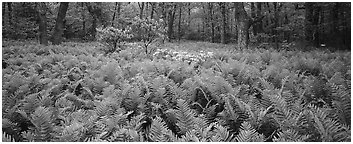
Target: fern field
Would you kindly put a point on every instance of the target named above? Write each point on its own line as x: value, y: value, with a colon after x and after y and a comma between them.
x: 186, y: 92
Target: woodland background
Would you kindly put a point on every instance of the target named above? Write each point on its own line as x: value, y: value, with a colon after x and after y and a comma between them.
x: 255, y: 23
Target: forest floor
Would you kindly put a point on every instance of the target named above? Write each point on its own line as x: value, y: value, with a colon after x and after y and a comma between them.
x: 76, y: 92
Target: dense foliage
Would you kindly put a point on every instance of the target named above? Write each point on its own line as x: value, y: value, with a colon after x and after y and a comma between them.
x: 74, y: 92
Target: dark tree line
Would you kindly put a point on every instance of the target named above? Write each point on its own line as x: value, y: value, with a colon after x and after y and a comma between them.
x: 243, y: 23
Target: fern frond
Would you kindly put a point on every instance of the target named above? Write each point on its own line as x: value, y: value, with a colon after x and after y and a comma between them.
x: 158, y: 130
x: 330, y: 130
x: 116, y: 120
x: 71, y: 133
x: 290, y: 136
x: 30, y: 103
x: 202, y: 128
x: 95, y: 140
x: 221, y: 134
x: 201, y: 122
x: 237, y: 109
x: 284, y: 115
x: 8, y: 101
x: 125, y: 135
x: 185, y: 117
x: 100, y: 129
x: 103, y: 109
x: 249, y: 134
x: 78, y: 102
x: 342, y: 104
x: 6, y: 123
x: 42, y: 119
x: 189, y: 136
x: 28, y: 136
x: 136, y: 122
x: 341, y: 111
x: 7, y: 138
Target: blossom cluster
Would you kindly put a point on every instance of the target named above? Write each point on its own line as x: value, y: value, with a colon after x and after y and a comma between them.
x: 111, y: 33
x: 184, y: 56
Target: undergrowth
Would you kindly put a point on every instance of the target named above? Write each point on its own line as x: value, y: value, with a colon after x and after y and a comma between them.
x: 188, y: 92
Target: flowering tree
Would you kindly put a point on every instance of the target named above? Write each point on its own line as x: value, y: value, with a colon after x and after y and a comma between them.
x: 148, y: 31
x: 112, y: 37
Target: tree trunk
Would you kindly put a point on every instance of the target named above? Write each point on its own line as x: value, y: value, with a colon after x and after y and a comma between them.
x: 316, y: 32
x: 3, y: 12
x: 179, y: 23
x: 235, y: 5
x: 58, y: 30
x: 83, y: 21
x: 152, y: 10
x: 171, y: 15
x: 243, y: 21
x: 309, y: 21
x: 258, y: 26
x: 286, y: 33
x: 96, y: 13
x: 210, y: 7
x: 274, y: 31
x: 253, y: 16
x: 224, y: 24
x: 334, y: 19
x: 256, y: 13
x: 119, y: 12
x: 116, y: 12
x: 3, y: 8
x: 113, y: 19
x: 93, y: 30
x: 9, y: 7
x: 141, y: 6
x: 269, y: 23
x: 205, y: 19
x: 43, y: 37
x: 346, y: 13
x: 163, y: 12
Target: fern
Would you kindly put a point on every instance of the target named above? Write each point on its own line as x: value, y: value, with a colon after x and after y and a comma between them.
x: 236, y: 110
x: 248, y: 134
x: 201, y: 122
x: 342, y: 104
x: 7, y: 138
x: 118, y: 119
x: 290, y: 136
x: 185, y: 117
x: 136, y: 122
x: 330, y: 130
x: 221, y: 134
x: 6, y: 123
x: 125, y: 135
x: 284, y: 115
x: 158, y: 130
x: 30, y: 103
x: 95, y: 140
x: 71, y: 132
x: 28, y: 136
x: 77, y: 102
x: 42, y: 119
x: 8, y: 101
x: 189, y: 136
x: 104, y: 108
